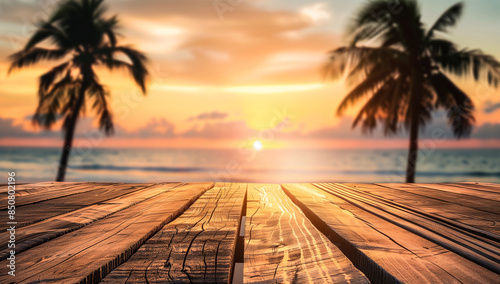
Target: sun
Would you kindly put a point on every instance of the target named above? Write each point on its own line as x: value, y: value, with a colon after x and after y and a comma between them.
x: 257, y: 145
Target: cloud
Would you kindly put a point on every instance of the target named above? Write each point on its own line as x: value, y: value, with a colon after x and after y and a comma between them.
x: 489, y: 107
x: 438, y: 129
x: 487, y: 131
x: 9, y: 128
x: 209, y: 116
x: 211, y: 127
x: 195, y: 46
x: 343, y: 130
x: 157, y: 127
x: 317, y: 12
x: 221, y: 130
x: 190, y: 43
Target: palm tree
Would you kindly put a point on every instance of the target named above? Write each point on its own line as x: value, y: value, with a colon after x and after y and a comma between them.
x: 401, y: 69
x: 81, y: 38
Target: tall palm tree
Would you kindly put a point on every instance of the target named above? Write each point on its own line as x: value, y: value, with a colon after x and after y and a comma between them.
x: 81, y: 38
x: 401, y: 69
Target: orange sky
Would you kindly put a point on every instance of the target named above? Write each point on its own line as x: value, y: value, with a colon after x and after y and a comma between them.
x: 222, y: 80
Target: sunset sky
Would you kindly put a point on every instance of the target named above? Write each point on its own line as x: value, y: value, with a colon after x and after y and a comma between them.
x: 225, y: 73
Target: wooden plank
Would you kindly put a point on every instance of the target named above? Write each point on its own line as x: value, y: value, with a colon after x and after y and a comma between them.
x: 51, y: 228
x: 283, y: 246
x: 35, y: 212
x: 197, y: 247
x: 32, y: 195
x: 3, y: 186
x: 445, y: 209
x: 495, y: 187
x: 489, y: 188
x: 383, y: 250
x: 473, y: 250
x: 42, y: 187
x: 88, y: 254
x: 476, y: 191
x: 24, y: 189
x: 457, y: 195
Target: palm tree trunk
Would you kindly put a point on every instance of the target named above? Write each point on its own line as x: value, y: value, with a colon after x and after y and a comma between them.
x: 415, y: 96
x: 413, y: 149
x: 69, y: 134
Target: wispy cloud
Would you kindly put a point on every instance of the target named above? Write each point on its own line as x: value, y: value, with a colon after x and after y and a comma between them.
x: 490, y: 107
x: 209, y: 116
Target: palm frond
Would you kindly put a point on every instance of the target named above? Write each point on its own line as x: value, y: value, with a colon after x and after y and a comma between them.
x: 100, y: 94
x: 108, y: 27
x: 447, y: 19
x: 374, y: 107
x: 138, y: 68
x: 47, y: 79
x: 458, y: 105
x: 469, y: 63
x: 373, y: 13
x: 53, y: 103
x: 48, y: 110
x: 26, y: 58
x: 397, y: 103
x: 358, y: 61
x: 371, y: 84
x: 440, y: 47
x: 47, y: 31
x: 376, y: 59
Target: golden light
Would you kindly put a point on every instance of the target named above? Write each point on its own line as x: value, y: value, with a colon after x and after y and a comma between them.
x: 273, y: 89
x: 257, y: 145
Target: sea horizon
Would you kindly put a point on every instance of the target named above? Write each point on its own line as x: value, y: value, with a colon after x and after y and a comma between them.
x: 38, y: 164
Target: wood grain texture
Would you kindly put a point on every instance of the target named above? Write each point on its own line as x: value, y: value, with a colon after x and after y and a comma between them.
x: 51, y: 228
x: 385, y: 252
x: 283, y: 246
x: 25, y: 189
x: 495, y: 187
x: 140, y: 233
x: 462, y: 191
x: 466, y: 254
x: 452, y: 194
x: 448, y: 210
x: 38, y: 211
x: 197, y: 247
x: 88, y: 254
x: 33, y: 193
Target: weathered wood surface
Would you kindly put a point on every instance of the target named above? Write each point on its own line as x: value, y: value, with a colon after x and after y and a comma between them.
x: 86, y: 255
x: 471, y: 243
x: 31, y: 193
x: 467, y: 196
x: 436, y: 204
x: 25, y: 189
x: 100, y: 207
x: 390, y: 243
x: 83, y: 196
x: 283, y: 246
x: 481, y: 185
x: 197, y: 247
x: 297, y: 233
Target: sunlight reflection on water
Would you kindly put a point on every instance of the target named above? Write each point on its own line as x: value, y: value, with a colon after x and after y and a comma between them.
x: 279, y: 166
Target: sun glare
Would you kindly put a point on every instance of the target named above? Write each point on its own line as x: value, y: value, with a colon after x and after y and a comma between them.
x: 257, y: 145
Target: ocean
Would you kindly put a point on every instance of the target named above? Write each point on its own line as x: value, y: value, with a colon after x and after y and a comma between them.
x: 268, y: 165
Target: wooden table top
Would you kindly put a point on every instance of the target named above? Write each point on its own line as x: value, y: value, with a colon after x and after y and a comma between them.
x: 77, y: 232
